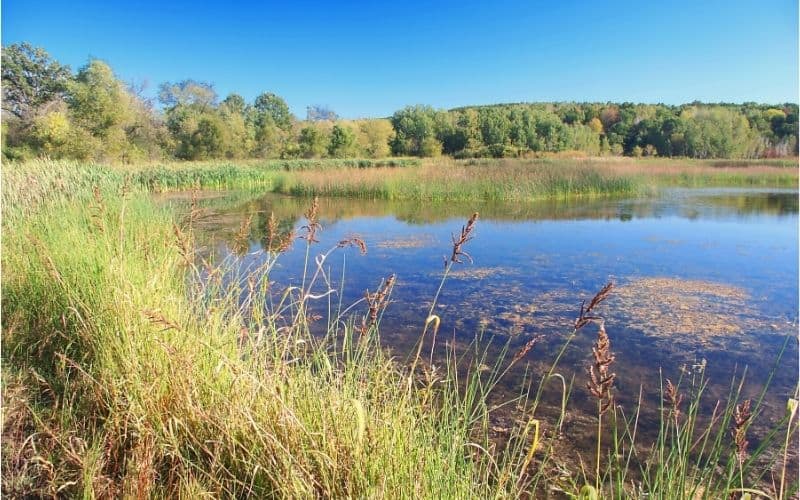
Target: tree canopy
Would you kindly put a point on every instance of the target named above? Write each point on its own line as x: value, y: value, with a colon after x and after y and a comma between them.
x: 92, y: 114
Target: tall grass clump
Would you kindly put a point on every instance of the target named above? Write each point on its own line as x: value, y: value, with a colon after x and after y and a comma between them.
x: 136, y: 365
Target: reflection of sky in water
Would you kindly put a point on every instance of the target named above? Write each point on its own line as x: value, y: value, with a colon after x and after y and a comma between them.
x: 745, y: 238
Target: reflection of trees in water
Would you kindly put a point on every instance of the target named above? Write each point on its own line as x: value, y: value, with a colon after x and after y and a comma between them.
x: 756, y: 203
x: 288, y: 208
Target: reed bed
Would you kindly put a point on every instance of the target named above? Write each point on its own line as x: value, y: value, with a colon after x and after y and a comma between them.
x: 133, y: 366
x: 460, y: 181
x: 408, y: 178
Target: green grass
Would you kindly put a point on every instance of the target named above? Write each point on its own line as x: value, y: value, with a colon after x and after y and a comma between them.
x: 126, y: 373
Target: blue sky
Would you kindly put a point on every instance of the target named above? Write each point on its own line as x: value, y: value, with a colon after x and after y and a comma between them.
x: 372, y: 58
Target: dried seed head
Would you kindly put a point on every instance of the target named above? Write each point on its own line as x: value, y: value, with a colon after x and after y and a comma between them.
x: 601, y: 380
x: 376, y: 302
x: 584, y: 318
x: 241, y: 241
x: 356, y: 242
x: 286, y: 242
x: 464, y: 237
x: 272, y: 231
x: 673, y: 398
x: 184, y: 244
x: 157, y: 318
x: 312, y: 225
x: 741, y: 420
x: 524, y: 350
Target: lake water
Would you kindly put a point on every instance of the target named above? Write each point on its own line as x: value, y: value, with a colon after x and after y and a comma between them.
x: 704, y: 278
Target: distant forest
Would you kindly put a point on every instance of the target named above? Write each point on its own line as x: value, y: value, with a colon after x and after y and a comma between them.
x: 48, y: 110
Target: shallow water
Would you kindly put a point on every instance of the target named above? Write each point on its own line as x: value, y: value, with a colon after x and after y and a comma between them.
x: 704, y: 277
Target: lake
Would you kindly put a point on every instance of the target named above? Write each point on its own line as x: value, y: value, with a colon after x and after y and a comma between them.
x: 705, y: 280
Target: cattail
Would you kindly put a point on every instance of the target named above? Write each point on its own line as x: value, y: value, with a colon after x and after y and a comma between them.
x: 465, y: 236
x: 601, y: 380
x: 741, y: 418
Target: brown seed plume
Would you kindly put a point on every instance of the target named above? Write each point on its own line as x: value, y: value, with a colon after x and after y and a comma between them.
x: 354, y: 241
x: 241, y: 242
x: 157, y: 318
x: 601, y: 380
x: 272, y: 231
x: 313, y: 225
x: 741, y: 419
x: 377, y: 302
x: 673, y: 399
x: 584, y: 318
x: 464, y: 237
x: 524, y: 350
x: 97, y: 210
x: 274, y: 241
x: 184, y: 244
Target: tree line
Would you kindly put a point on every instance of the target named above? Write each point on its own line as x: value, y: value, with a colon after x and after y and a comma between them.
x: 92, y: 115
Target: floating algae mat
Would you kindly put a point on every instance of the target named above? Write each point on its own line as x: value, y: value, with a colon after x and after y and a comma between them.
x: 479, y: 273
x: 691, y: 311
x: 415, y: 241
x: 547, y: 312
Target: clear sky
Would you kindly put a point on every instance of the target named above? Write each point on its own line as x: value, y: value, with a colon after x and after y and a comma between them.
x: 372, y: 58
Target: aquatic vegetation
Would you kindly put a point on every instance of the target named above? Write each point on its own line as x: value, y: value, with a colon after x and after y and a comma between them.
x: 134, y: 364
x: 411, y: 242
x: 478, y: 273
x: 691, y: 311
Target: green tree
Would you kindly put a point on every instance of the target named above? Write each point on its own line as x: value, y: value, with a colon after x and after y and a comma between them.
x: 234, y: 104
x: 269, y: 106
x: 342, y: 142
x: 717, y: 132
x: 413, y: 126
x: 31, y: 79
x: 238, y: 134
x: 98, y: 101
x: 494, y: 125
x: 100, y: 104
x: 208, y: 140
x: 430, y: 147
x: 313, y: 142
x: 374, y: 137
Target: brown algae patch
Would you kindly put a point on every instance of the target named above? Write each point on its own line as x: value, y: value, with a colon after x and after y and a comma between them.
x: 418, y: 241
x: 689, y: 311
x: 479, y: 273
x: 694, y: 310
x: 546, y: 313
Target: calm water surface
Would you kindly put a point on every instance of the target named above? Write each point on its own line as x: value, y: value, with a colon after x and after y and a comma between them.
x: 705, y: 277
